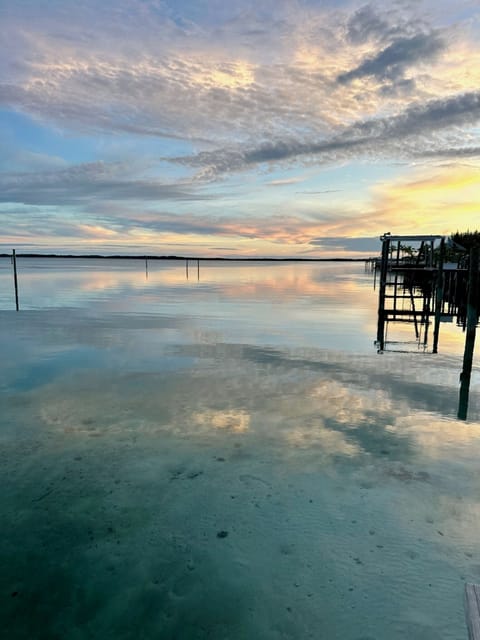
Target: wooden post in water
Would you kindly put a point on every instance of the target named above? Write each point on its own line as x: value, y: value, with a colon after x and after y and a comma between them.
x: 15, y: 280
x: 186, y: 268
x: 381, y: 295
x: 439, y: 285
x: 146, y: 268
x: 472, y: 610
x: 415, y: 321
x: 198, y: 269
x: 426, y: 320
x: 472, y: 306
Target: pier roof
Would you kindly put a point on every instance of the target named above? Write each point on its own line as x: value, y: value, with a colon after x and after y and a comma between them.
x: 387, y: 236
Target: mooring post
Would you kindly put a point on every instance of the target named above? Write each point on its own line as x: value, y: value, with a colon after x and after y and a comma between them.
x: 472, y: 318
x: 439, y: 285
x: 426, y: 320
x: 198, y: 269
x: 415, y: 321
x: 15, y: 279
x: 472, y: 610
x: 381, y: 295
x: 186, y: 268
x: 146, y: 268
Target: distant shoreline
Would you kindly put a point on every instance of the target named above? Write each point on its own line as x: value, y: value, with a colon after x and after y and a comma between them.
x: 152, y: 257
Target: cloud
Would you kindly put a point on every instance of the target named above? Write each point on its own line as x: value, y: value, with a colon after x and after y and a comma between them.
x: 452, y: 152
x: 89, y: 181
x: 282, y: 182
x: 134, y: 68
x: 186, y: 224
x: 372, y: 23
x: 317, y: 193
x: 342, y: 244
x: 392, y: 62
x: 406, y: 132
x: 452, y: 111
x: 279, y: 233
x: 366, y: 24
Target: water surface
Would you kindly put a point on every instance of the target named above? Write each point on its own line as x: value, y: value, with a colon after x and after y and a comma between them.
x: 227, y: 456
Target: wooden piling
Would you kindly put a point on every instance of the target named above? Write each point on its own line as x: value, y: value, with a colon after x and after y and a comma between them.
x: 472, y: 610
x: 381, y: 295
x: 439, y: 286
x: 186, y: 268
x: 471, y: 328
x: 415, y: 321
x: 15, y: 279
x: 426, y: 322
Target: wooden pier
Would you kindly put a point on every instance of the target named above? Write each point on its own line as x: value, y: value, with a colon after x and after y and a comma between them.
x: 418, y: 287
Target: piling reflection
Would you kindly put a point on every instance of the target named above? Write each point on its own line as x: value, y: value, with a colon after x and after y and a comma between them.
x: 472, y: 321
x: 15, y: 278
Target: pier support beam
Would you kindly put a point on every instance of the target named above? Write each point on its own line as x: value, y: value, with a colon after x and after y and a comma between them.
x: 381, y: 294
x: 472, y: 318
x: 439, y: 286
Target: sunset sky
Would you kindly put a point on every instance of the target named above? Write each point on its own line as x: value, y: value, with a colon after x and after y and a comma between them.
x: 210, y: 128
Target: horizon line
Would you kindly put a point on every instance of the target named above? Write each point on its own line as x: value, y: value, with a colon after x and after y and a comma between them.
x: 176, y: 257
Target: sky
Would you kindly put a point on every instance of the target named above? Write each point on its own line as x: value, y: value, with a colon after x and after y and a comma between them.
x: 280, y: 128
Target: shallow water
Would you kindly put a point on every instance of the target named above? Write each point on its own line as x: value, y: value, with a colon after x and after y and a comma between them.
x: 227, y: 456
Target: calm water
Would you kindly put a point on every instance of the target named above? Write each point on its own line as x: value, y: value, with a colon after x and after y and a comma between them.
x: 227, y: 457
